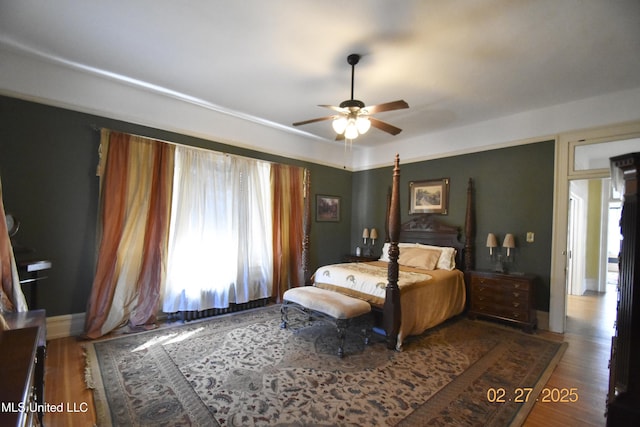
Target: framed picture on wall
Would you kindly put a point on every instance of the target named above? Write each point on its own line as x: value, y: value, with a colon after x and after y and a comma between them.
x: 327, y: 208
x: 430, y: 196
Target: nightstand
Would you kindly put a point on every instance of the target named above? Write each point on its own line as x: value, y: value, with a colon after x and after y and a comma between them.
x: 360, y: 258
x: 502, y: 296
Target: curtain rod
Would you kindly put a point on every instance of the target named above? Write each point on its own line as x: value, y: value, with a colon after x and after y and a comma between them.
x: 100, y: 128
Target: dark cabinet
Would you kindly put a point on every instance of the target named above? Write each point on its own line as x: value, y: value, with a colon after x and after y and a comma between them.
x: 22, y: 361
x: 623, y: 400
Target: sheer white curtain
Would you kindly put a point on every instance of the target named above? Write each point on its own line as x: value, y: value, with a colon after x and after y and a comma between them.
x: 220, y: 245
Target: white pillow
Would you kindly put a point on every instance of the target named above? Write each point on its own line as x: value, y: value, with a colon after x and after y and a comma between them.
x: 385, y: 250
x: 447, y: 260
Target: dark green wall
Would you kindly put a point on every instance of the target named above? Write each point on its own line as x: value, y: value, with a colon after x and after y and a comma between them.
x: 48, y: 158
x: 513, y: 194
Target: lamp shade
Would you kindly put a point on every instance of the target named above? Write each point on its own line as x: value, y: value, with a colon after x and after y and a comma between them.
x: 351, y: 132
x: 492, y: 242
x: 509, y: 242
x: 339, y: 125
x: 373, y: 234
x: 365, y: 235
x: 363, y: 124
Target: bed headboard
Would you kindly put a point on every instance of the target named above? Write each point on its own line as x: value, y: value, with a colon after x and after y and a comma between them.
x: 430, y: 230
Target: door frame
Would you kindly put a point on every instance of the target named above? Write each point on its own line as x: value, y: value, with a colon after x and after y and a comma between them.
x: 565, y: 172
x: 576, y: 232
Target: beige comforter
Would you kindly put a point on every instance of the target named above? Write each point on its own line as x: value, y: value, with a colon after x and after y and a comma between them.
x: 427, y: 297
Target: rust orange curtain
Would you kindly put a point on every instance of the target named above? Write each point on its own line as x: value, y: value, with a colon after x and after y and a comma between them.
x: 135, y: 198
x: 11, y: 297
x: 289, y: 213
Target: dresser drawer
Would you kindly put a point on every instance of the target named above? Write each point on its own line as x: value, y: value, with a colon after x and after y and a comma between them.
x: 520, y: 313
x: 512, y: 283
x: 507, y: 297
x: 512, y: 299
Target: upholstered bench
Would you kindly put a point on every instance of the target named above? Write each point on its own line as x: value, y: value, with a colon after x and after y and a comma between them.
x: 338, y: 308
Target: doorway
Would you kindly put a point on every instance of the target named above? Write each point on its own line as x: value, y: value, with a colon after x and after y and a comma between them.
x: 593, y: 242
x: 579, y: 155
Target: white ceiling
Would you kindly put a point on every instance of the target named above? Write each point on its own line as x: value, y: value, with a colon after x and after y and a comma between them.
x: 457, y: 63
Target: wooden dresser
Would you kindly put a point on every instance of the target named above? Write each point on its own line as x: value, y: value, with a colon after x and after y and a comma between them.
x: 22, y: 359
x: 17, y: 373
x: 507, y: 297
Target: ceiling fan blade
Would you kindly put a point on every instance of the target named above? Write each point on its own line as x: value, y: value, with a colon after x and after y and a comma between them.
x: 334, y: 108
x: 319, y: 119
x: 388, y: 106
x: 384, y: 126
x: 340, y: 137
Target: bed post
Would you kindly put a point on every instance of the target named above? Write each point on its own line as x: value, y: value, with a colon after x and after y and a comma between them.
x: 306, y: 258
x: 469, y: 230
x: 391, y: 309
x: 387, y: 239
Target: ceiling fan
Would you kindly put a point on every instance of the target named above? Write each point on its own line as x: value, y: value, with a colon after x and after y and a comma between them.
x: 353, y: 117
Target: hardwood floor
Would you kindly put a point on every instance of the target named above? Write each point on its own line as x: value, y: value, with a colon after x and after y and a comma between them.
x: 64, y: 383
x: 583, y: 366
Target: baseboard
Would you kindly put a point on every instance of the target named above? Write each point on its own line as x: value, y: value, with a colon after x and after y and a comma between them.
x: 592, y: 285
x: 543, y: 320
x: 67, y: 325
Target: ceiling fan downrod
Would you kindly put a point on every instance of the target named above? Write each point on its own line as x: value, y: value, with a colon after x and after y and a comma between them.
x: 352, y: 59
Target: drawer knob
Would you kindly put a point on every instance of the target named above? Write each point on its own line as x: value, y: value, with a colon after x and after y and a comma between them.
x: 516, y: 294
x: 516, y: 285
x: 516, y: 304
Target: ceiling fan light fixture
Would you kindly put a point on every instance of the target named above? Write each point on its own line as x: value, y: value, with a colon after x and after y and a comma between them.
x: 351, y: 132
x: 339, y: 125
x: 363, y: 124
x: 353, y: 118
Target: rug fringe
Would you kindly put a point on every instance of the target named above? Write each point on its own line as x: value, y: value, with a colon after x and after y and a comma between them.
x: 88, y: 374
x: 94, y: 383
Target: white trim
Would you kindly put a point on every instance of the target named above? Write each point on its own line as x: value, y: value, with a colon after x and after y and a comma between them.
x: 577, y: 224
x: 66, y: 325
x: 543, y: 320
x: 604, y: 235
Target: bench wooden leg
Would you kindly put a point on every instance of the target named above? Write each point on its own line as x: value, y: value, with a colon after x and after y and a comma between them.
x: 341, y: 325
x: 284, y: 315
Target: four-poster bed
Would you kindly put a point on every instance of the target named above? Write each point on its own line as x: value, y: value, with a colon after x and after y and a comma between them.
x: 424, y: 264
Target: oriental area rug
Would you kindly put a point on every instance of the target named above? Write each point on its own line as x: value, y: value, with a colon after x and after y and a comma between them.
x: 244, y: 370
